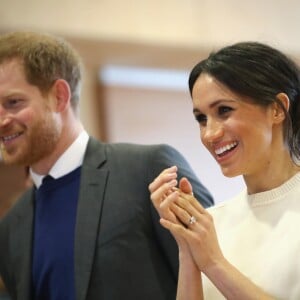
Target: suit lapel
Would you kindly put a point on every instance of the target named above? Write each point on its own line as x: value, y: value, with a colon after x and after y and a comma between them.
x: 22, y: 245
x: 92, y: 187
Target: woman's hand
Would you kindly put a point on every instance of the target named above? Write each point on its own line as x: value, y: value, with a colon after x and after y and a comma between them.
x: 195, y: 226
x: 163, y: 192
x: 162, y: 187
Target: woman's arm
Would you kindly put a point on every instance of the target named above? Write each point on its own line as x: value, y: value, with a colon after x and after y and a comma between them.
x: 189, y: 279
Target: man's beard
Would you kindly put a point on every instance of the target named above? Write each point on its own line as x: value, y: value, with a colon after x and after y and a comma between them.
x: 39, y: 142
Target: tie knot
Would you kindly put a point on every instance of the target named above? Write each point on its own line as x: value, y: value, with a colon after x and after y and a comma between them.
x: 47, y: 178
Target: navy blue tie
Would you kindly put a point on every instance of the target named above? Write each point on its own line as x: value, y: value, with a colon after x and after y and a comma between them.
x: 47, y: 179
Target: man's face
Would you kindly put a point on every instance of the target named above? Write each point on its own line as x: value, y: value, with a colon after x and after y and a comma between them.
x: 28, y: 128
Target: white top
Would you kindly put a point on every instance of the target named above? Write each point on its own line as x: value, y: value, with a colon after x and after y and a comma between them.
x: 71, y: 159
x: 260, y: 235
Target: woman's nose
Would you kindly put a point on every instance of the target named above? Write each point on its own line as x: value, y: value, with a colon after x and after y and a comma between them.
x: 212, y: 132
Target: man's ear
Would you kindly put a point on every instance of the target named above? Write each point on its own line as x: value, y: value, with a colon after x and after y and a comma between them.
x: 279, y: 113
x: 62, y: 93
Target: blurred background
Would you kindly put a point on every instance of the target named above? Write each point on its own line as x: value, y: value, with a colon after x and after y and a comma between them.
x: 137, y: 56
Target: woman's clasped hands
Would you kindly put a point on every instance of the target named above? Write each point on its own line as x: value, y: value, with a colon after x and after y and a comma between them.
x: 190, y: 224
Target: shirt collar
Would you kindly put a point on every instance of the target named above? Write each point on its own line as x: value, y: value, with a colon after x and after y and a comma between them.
x: 71, y: 159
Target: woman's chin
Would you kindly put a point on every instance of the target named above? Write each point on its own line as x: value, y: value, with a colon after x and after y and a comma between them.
x: 230, y: 172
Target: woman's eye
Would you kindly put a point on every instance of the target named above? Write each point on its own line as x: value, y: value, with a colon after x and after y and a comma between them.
x: 224, y: 109
x: 201, y: 119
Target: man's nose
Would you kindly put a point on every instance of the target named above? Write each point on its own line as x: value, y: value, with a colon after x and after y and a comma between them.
x: 4, y: 117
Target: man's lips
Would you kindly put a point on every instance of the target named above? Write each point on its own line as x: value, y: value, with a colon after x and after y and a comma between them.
x: 9, y: 138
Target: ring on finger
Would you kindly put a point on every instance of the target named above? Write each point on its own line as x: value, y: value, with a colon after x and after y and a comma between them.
x: 192, y: 220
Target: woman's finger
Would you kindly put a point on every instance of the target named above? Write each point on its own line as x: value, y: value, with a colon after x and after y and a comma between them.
x: 187, y: 217
x: 188, y: 202
x: 162, y: 192
x: 165, y: 176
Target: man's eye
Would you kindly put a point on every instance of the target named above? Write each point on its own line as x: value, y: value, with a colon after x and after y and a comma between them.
x: 13, y: 102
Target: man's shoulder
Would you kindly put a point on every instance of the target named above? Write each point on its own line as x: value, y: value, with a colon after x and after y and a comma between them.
x: 155, y: 157
x: 132, y: 148
x: 19, y: 207
x: 138, y: 147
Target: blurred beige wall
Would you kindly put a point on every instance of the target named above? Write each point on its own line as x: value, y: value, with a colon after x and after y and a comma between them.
x: 189, y: 23
x: 163, y: 33
x: 159, y: 33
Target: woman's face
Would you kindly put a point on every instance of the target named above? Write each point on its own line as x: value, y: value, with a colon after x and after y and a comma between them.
x: 237, y: 132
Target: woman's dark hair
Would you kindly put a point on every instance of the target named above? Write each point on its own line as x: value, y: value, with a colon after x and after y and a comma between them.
x: 259, y: 72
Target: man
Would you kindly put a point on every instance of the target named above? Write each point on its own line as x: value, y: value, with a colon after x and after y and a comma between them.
x: 90, y: 231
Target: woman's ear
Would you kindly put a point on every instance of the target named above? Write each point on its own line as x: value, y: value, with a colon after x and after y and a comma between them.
x: 280, y: 110
x: 62, y: 94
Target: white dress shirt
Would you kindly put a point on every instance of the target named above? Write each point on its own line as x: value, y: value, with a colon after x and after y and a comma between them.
x: 71, y: 159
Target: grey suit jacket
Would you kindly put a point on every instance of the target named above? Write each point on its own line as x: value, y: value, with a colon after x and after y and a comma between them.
x: 121, y: 250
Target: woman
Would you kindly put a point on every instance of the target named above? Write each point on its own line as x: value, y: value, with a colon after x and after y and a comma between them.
x: 246, y: 101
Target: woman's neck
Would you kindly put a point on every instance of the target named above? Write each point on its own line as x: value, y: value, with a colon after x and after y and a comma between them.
x: 272, y: 175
